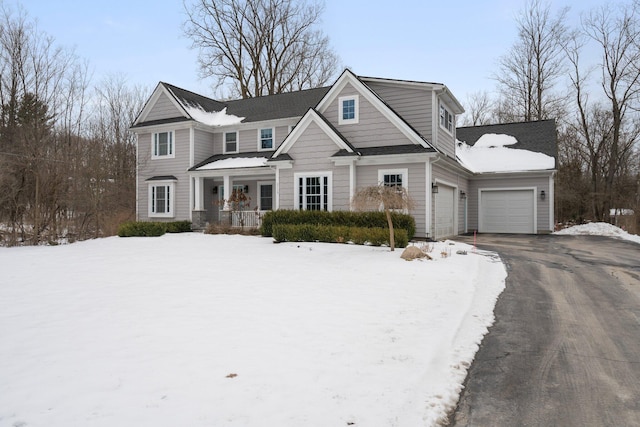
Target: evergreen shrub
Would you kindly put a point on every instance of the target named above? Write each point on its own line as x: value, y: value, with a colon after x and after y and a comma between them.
x: 375, y: 236
x: 152, y: 229
x: 337, y: 218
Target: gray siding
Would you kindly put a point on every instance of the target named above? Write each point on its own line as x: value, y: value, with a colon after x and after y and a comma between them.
x: 539, y: 182
x: 446, y: 142
x: 203, y: 145
x: 311, y: 153
x: 412, y: 104
x: 368, y: 175
x: 177, y: 167
x: 163, y: 109
x: 372, y: 129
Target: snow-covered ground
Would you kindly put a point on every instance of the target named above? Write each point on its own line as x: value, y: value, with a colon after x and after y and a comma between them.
x: 599, y: 229
x: 201, y: 330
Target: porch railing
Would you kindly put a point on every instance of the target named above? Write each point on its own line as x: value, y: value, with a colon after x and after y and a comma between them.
x: 250, y: 219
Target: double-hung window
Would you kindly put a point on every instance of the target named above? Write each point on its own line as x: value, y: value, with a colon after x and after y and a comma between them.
x: 348, y: 113
x: 162, y: 145
x: 446, y: 119
x: 230, y: 142
x: 396, y: 178
x: 161, y: 199
x: 313, y: 191
x: 265, y: 139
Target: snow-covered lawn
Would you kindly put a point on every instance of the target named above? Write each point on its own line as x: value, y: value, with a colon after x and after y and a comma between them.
x: 202, y: 330
x: 599, y: 229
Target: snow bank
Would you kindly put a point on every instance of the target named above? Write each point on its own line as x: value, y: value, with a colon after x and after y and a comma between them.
x: 235, y: 162
x: 491, y: 154
x: 599, y: 229
x: 200, y: 330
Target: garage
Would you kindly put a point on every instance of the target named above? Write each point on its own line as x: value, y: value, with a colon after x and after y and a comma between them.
x: 445, y: 212
x: 507, y: 211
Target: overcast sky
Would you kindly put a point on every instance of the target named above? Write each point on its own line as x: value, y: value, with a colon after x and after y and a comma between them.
x: 457, y: 43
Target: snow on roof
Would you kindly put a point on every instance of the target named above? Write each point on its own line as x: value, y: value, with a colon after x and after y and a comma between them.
x: 491, y: 154
x: 495, y: 140
x: 212, y: 118
x: 235, y: 162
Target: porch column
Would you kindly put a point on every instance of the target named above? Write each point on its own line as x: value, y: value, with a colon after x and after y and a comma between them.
x: 228, y: 189
x: 199, y: 194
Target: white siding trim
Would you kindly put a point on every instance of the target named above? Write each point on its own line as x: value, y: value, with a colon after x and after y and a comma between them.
x: 356, y: 117
x: 428, y: 198
x: 276, y: 202
x: 273, y: 138
x: 402, y: 171
x: 322, y: 174
x: 172, y: 198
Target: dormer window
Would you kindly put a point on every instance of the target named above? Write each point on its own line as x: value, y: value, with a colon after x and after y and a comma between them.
x: 230, y: 142
x: 348, y: 113
x: 446, y: 119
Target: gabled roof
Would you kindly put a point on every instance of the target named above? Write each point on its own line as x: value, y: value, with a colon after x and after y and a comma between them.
x: 313, y: 116
x: 348, y: 77
x: 193, y: 99
x: 284, y: 105
x: 537, y: 136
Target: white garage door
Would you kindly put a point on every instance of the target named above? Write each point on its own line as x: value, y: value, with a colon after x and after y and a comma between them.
x: 445, y: 212
x: 507, y: 211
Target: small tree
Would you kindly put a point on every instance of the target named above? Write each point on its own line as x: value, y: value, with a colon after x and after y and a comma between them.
x: 387, y: 197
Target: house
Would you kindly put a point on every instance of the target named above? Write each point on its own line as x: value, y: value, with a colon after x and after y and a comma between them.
x: 312, y: 149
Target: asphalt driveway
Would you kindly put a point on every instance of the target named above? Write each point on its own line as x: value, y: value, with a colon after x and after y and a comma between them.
x: 565, y: 347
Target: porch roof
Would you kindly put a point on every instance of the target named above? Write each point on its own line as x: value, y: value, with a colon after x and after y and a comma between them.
x: 235, y: 160
x: 386, y: 150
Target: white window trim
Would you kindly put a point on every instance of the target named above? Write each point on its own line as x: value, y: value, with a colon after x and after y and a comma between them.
x: 224, y: 142
x: 172, y: 198
x: 400, y: 171
x: 273, y: 139
x: 172, y: 137
x: 296, y: 189
x: 405, y: 181
x: 453, y: 119
x: 356, y: 116
x: 273, y: 194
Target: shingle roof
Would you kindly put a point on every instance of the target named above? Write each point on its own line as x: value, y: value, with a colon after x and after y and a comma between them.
x: 193, y: 99
x: 217, y: 157
x: 391, y: 149
x: 538, y: 136
x: 291, y: 104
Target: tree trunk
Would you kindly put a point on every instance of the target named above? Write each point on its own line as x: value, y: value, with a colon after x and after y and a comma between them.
x: 392, y: 240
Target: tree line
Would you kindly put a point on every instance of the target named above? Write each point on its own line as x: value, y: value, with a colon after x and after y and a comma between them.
x: 67, y: 160
x: 596, y: 106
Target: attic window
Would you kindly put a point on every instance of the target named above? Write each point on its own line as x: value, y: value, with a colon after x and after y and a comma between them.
x: 348, y: 113
x: 446, y: 119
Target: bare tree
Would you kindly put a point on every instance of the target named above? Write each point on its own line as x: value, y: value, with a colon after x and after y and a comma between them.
x: 616, y: 32
x: 532, y: 67
x: 478, y: 109
x: 389, y: 198
x: 260, y: 47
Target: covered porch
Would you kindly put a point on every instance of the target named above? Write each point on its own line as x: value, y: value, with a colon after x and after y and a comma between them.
x: 232, y: 196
